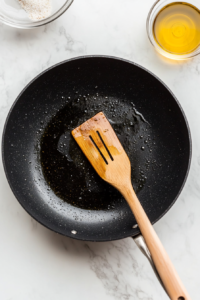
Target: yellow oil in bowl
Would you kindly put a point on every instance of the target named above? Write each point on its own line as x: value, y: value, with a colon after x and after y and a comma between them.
x: 176, y: 28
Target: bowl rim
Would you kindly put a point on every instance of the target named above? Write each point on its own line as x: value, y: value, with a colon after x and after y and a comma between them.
x: 158, y: 48
x: 35, y: 24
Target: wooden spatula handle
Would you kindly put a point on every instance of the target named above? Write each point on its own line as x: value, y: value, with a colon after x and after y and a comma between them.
x: 164, y: 266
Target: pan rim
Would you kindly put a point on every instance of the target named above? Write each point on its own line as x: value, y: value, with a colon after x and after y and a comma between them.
x: 80, y: 58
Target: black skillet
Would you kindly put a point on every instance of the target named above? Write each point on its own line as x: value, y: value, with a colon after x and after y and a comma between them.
x: 63, y: 192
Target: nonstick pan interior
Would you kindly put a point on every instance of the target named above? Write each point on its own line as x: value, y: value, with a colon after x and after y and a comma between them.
x: 53, y: 180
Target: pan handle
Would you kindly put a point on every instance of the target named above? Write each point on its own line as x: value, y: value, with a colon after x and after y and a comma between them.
x: 140, y: 242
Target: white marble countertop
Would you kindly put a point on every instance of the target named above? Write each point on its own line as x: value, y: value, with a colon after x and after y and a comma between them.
x: 37, y: 264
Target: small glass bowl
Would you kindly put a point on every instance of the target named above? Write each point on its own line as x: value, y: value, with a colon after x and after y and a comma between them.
x: 13, y: 15
x: 155, y: 9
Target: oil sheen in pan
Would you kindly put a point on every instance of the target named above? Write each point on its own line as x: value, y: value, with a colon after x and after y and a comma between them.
x: 66, y: 169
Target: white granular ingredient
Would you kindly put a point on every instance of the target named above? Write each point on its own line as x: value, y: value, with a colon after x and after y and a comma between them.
x: 36, y: 9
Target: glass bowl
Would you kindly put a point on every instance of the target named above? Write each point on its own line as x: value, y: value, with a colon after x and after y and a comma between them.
x: 155, y: 9
x: 13, y: 15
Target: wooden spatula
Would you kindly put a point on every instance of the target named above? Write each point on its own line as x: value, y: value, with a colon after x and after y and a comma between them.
x: 101, y: 146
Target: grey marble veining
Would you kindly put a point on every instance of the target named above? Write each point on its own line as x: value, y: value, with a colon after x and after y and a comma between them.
x: 37, y: 264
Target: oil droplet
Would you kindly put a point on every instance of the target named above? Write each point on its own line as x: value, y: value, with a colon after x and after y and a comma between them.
x: 74, y: 232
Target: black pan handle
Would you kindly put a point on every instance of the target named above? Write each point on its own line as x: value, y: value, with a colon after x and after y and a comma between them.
x: 140, y: 242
